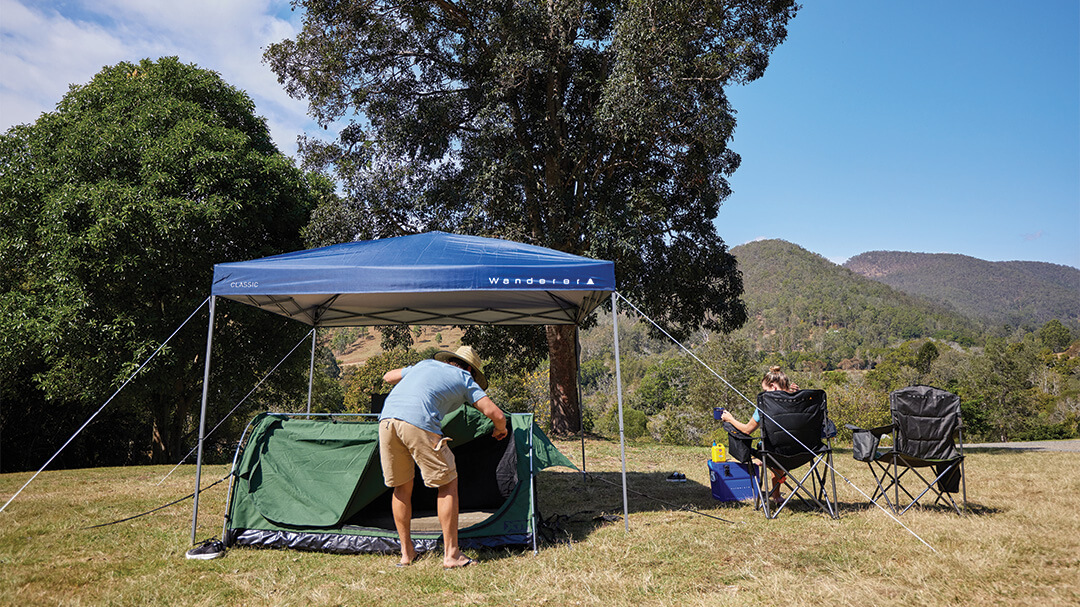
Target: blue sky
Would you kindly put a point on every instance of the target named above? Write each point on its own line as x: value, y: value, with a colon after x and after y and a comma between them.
x: 935, y: 127
x: 910, y: 126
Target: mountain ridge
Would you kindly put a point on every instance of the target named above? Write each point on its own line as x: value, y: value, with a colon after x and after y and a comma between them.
x: 1013, y: 293
x: 799, y: 301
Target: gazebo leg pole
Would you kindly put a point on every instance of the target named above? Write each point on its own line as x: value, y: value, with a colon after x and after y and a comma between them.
x: 618, y: 392
x: 202, y: 420
x: 311, y: 370
x: 581, y: 404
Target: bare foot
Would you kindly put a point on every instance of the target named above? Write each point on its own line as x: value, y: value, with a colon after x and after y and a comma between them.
x: 464, y: 562
x: 456, y: 559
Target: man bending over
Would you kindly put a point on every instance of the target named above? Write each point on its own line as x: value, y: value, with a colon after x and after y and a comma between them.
x: 410, y: 431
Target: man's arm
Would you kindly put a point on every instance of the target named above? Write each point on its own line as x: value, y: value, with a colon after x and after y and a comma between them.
x: 495, y: 414
x: 392, y: 377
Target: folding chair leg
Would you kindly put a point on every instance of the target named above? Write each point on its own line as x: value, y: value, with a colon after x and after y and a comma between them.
x: 820, y: 493
x: 915, y: 499
x: 882, y: 490
x: 756, y: 474
x: 816, y: 493
x: 944, y: 496
x: 879, y: 492
x: 765, y: 490
x: 832, y: 476
x: 895, y: 484
x: 963, y: 482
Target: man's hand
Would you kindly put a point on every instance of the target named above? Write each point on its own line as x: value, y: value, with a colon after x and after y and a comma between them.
x: 500, y: 433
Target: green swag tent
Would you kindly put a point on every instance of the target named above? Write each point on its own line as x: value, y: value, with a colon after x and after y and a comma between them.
x: 317, y: 485
x: 307, y: 482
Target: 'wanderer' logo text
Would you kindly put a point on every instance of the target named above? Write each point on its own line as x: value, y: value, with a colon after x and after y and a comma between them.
x: 555, y: 282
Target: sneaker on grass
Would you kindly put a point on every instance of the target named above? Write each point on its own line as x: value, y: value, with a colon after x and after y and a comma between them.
x: 209, y: 549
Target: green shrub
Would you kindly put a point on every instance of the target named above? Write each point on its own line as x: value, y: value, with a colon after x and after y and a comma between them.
x: 635, y: 423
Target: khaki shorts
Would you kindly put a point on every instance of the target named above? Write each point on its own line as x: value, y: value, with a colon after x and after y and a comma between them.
x: 402, y: 444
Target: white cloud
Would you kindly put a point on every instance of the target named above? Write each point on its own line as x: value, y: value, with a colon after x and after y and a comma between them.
x: 49, y: 46
x: 42, y: 54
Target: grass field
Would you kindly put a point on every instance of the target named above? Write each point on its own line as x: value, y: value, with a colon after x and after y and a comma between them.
x: 1019, y: 546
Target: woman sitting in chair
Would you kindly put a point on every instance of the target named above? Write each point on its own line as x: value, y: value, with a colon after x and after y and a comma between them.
x: 774, y: 380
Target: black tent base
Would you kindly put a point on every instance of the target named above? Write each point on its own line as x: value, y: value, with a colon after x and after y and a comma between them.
x: 342, y: 543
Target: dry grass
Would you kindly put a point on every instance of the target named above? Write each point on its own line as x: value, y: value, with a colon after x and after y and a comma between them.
x: 1019, y: 546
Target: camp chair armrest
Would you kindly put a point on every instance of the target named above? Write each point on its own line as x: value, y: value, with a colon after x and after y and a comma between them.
x: 878, y: 431
x: 733, y: 431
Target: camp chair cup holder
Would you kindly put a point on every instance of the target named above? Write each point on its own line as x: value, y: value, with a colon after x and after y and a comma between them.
x: 740, y: 446
x: 865, y: 442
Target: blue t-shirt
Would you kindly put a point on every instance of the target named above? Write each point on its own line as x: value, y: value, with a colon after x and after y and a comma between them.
x: 427, y: 392
x: 757, y: 416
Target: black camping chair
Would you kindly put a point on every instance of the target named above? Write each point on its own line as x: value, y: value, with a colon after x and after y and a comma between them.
x: 925, y: 422
x: 796, y: 431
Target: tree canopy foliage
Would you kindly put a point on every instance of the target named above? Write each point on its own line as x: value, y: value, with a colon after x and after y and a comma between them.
x: 594, y: 128
x: 114, y: 209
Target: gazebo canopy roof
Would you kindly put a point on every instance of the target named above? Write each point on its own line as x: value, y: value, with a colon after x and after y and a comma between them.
x: 432, y: 278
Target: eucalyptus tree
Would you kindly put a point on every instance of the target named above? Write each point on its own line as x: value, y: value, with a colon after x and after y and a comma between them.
x: 113, y: 210
x: 595, y: 127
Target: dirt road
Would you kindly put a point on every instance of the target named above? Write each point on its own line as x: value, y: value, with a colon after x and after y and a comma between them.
x: 1042, y: 445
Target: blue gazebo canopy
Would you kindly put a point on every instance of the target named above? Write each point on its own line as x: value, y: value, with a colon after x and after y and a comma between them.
x: 432, y: 278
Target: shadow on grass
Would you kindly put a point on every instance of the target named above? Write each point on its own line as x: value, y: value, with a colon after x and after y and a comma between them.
x: 973, y: 508
x: 574, y: 505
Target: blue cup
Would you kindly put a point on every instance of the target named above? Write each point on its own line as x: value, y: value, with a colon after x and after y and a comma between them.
x: 717, y: 412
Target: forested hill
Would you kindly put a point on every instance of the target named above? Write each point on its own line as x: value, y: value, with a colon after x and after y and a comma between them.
x: 800, y: 301
x: 1015, y: 293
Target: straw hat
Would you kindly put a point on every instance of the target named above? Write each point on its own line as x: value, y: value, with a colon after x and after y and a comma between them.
x: 466, y: 355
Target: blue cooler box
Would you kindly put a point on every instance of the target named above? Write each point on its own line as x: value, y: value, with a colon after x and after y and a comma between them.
x: 731, y: 481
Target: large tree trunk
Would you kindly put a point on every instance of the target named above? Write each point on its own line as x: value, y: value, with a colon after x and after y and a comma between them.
x: 161, y: 438
x: 170, y: 417
x: 563, y: 376
x: 158, y: 451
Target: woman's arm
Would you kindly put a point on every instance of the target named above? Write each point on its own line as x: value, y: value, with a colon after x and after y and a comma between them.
x: 747, y: 428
